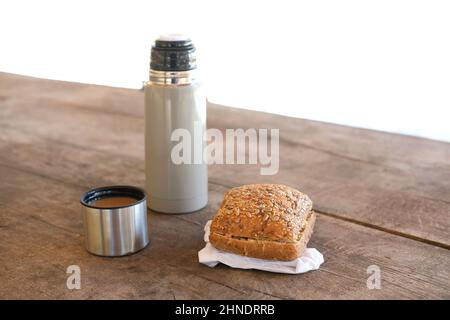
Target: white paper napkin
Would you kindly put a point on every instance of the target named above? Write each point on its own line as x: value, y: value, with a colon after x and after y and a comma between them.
x: 311, y: 259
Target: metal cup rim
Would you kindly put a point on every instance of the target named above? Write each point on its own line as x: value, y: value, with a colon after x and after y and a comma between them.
x: 115, y: 190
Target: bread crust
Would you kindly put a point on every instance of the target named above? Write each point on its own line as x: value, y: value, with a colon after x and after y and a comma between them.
x: 266, y: 249
x: 268, y: 221
x: 263, y: 212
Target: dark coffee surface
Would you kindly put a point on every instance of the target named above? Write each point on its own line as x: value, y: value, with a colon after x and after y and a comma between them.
x: 113, y: 202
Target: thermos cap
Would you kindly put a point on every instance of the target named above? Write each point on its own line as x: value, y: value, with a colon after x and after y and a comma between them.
x: 173, y: 52
x: 115, y: 220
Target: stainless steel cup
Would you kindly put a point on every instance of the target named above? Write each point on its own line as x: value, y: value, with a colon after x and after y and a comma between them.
x: 115, y: 231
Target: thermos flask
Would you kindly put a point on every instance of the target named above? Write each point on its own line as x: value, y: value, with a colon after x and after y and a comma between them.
x: 175, y: 125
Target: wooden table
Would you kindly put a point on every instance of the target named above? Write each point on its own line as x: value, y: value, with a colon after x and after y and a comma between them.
x: 382, y: 199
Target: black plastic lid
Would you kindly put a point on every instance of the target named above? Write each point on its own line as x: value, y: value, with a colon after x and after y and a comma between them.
x: 173, y: 53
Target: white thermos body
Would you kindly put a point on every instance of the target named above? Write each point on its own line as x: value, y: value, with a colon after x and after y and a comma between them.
x: 175, y: 125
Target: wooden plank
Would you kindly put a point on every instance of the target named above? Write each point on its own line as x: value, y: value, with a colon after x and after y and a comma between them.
x: 41, y: 235
x: 396, y: 183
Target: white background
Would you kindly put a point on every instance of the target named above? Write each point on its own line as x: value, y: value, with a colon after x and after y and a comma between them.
x: 377, y: 64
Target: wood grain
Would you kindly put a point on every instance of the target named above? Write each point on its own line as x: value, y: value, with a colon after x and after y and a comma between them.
x: 42, y: 235
x: 58, y: 139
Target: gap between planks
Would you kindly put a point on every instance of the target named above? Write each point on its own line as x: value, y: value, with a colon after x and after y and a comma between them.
x: 367, y: 225
x: 387, y: 230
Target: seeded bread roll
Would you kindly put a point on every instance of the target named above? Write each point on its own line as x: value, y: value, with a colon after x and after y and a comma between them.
x: 266, y: 221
